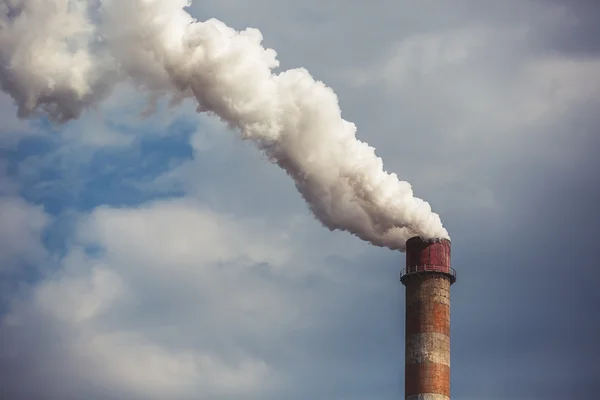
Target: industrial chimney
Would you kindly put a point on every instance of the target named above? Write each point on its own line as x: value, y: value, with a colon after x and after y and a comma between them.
x: 427, y: 278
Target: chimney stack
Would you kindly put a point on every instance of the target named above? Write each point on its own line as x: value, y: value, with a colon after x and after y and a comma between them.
x: 427, y: 278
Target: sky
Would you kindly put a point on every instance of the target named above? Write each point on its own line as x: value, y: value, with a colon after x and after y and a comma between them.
x: 160, y: 256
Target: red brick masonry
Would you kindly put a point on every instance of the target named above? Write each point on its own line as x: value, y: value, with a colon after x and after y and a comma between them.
x: 427, y: 378
x: 427, y: 360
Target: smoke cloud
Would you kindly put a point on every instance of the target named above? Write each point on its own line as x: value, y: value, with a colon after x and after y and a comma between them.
x: 60, y: 57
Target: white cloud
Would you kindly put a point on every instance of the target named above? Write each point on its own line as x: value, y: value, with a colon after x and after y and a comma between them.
x: 165, y: 305
x: 148, y: 370
x: 76, y: 299
x: 183, y: 234
x: 21, y: 228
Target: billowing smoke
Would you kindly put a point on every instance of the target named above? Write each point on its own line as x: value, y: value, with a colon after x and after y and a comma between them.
x: 59, y: 57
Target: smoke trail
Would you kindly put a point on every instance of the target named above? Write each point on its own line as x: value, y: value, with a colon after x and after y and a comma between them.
x: 58, y: 57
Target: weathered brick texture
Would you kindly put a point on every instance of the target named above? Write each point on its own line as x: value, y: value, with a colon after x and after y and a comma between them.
x: 431, y: 347
x: 427, y: 346
x: 428, y: 396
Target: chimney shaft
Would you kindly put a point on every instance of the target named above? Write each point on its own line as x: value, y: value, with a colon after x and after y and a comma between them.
x: 427, y: 278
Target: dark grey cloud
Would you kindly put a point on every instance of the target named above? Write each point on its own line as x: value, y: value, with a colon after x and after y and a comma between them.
x: 580, y: 35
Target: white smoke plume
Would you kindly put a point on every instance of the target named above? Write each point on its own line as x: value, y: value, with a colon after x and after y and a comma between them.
x: 59, y: 57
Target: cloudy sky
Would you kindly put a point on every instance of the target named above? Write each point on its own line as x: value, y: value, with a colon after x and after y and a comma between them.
x: 160, y: 257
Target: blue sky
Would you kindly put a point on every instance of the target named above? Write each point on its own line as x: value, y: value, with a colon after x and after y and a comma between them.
x: 161, y: 257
